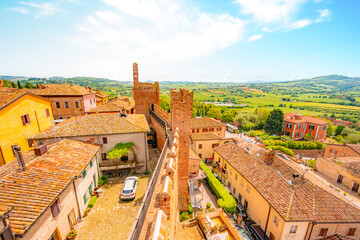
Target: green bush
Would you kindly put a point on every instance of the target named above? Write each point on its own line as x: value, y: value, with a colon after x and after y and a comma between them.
x: 208, y: 205
x: 92, y: 201
x: 301, y: 145
x: 184, y: 216
x: 312, y: 163
x: 283, y: 149
x: 103, y: 180
x: 225, y: 200
x: 191, y: 210
x: 72, y: 233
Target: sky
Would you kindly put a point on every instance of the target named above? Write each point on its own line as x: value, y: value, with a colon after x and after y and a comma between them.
x: 190, y: 40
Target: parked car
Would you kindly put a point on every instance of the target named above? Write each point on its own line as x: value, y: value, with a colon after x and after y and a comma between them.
x: 243, y: 233
x: 129, y: 189
x: 255, y: 230
x: 240, y: 210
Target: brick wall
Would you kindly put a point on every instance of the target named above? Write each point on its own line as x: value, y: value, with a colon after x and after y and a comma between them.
x: 339, y: 150
x: 160, y: 133
x: 181, y: 112
x: 162, y: 113
x: 309, y: 153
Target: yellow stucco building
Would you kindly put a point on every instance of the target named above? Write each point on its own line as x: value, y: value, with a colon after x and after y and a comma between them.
x: 21, y: 115
x: 283, y: 206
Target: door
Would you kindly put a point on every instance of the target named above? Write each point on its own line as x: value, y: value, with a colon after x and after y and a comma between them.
x: 340, y: 178
x: 355, y: 187
x: 272, y: 237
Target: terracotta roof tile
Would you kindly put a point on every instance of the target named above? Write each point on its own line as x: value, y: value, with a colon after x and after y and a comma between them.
x: 32, y: 191
x: 205, y: 136
x: 206, y: 122
x: 96, y: 124
x: 299, y: 200
x: 60, y: 90
x: 356, y: 147
x: 291, y: 117
x: 123, y: 103
x: 10, y: 95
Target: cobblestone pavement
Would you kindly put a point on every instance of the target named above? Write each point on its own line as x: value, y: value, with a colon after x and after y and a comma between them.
x: 326, y: 183
x: 110, y: 219
x: 204, y: 195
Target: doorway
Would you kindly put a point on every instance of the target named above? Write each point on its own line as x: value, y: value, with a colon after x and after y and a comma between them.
x: 340, y: 178
x: 355, y: 187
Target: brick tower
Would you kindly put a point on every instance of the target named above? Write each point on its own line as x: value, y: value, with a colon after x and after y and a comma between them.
x: 181, y: 112
x: 144, y: 94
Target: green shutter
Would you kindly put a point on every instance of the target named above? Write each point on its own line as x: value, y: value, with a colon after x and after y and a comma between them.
x: 85, y: 199
x: 91, y: 164
x: 84, y: 173
x: 90, y: 189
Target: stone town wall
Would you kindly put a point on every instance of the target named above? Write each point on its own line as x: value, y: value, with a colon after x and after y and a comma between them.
x: 160, y: 133
x: 162, y: 113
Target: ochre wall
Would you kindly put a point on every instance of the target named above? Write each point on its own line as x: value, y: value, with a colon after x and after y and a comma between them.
x: 12, y: 130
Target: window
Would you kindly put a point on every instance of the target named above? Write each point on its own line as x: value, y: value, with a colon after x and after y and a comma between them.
x: 287, y: 133
x: 105, y: 140
x: 205, y: 130
x: 77, y: 105
x: 234, y: 190
x: 340, y: 178
x: 297, y: 134
x: 197, y: 130
x: 57, y: 104
x: 30, y: 143
x: 322, y: 135
x: 246, y: 204
x: 47, y: 112
x: 219, y: 129
x: 323, y: 232
x: 66, y: 104
x: 355, y: 187
x: 235, y: 176
x: 85, y: 198
x: 311, y: 127
x: 229, y: 184
x: 193, y: 131
x: 200, y: 155
x: 55, y: 208
x: 125, y: 158
x: 40, y: 142
x: 239, y: 197
x: 276, y: 220
x: 242, y: 182
x: 324, y: 128
x: 248, y: 188
x: 351, y: 232
x: 211, y: 129
x: 84, y: 173
x: 25, y: 119
x: 103, y: 156
x: 293, y: 229
x: 288, y: 125
x: 299, y: 126
x: 225, y: 166
x: 215, y: 145
x: 90, y: 189
x: 200, y: 146
x: 91, y: 164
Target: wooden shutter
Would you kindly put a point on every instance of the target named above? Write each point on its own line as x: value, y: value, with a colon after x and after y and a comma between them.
x: 28, y: 118
x: 55, y: 208
x: 47, y: 112
x: 23, y: 120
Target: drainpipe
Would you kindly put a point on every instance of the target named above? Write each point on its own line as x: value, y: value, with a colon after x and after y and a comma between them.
x: 146, y: 152
x: 308, y: 234
x: 267, y: 219
x: 76, y: 196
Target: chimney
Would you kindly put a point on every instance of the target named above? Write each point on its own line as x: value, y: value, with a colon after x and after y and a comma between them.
x: 269, y: 156
x: 40, y: 150
x: 123, y: 113
x: 19, y: 157
x: 135, y: 73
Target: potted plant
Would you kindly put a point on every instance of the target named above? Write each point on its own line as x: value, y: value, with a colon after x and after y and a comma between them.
x: 71, y: 235
x: 200, y: 182
x: 208, y: 205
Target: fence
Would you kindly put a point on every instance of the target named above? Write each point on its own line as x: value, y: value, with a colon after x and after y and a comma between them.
x: 140, y: 217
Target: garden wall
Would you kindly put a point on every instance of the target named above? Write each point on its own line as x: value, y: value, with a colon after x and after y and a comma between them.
x: 309, y: 153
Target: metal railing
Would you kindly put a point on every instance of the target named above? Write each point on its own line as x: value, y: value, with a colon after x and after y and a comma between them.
x: 140, y: 217
x: 158, y: 119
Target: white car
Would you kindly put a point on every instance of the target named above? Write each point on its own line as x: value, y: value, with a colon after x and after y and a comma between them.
x: 129, y: 189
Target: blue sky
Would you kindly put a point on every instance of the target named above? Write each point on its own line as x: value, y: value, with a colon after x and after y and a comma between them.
x: 190, y: 40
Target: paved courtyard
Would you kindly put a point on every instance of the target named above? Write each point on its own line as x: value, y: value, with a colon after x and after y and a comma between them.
x: 204, y: 195
x: 110, y: 219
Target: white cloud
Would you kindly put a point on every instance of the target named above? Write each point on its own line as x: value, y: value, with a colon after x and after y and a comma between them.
x: 255, y: 37
x: 20, y: 10
x: 270, y: 11
x: 163, y: 30
x: 43, y: 9
x: 324, y: 12
x: 299, y: 24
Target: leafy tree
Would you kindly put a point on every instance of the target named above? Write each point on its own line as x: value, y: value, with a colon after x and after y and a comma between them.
x: 13, y: 85
x: 263, y: 115
x: 339, y: 129
x: 19, y: 85
x: 274, y: 122
x: 227, y: 116
x: 307, y: 137
x: 353, y: 138
x: 28, y: 85
x: 246, y: 118
x: 214, y: 112
x: 330, y: 130
x: 165, y: 105
x: 348, y: 131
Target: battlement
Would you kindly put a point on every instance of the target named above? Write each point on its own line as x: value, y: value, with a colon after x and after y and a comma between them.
x: 162, y: 113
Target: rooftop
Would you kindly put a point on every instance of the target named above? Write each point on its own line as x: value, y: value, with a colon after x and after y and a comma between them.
x: 204, y: 136
x: 96, y: 124
x: 61, y: 90
x: 32, y: 191
x: 298, y: 118
x: 298, y: 200
x: 123, y: 103
x: 206, y: 122
x: 10, y: 95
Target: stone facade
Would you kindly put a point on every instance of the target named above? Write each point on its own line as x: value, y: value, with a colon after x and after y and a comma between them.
x: 181, y: 111
x: 144, y: 94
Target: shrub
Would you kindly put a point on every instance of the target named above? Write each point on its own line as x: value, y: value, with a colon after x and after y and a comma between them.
x: 103, y: 180
x: 225, y: 200
x: 92, y: 201
x: 208, y: 205
x: 191, y: 210
x: 72, y: 233
x: 312, y: 163
x: 295, y: 144
x: 184, y: 216
x: 283, y: 149
x: 252, y: 134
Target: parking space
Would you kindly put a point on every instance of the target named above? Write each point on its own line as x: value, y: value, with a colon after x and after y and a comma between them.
x: 109, y: 218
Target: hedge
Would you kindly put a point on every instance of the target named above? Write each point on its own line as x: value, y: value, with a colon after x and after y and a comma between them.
x: 103, y: 180
x: 225, y: 200
x: 301, y: 145
x: 283, y: 149
x: 92, y: 201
